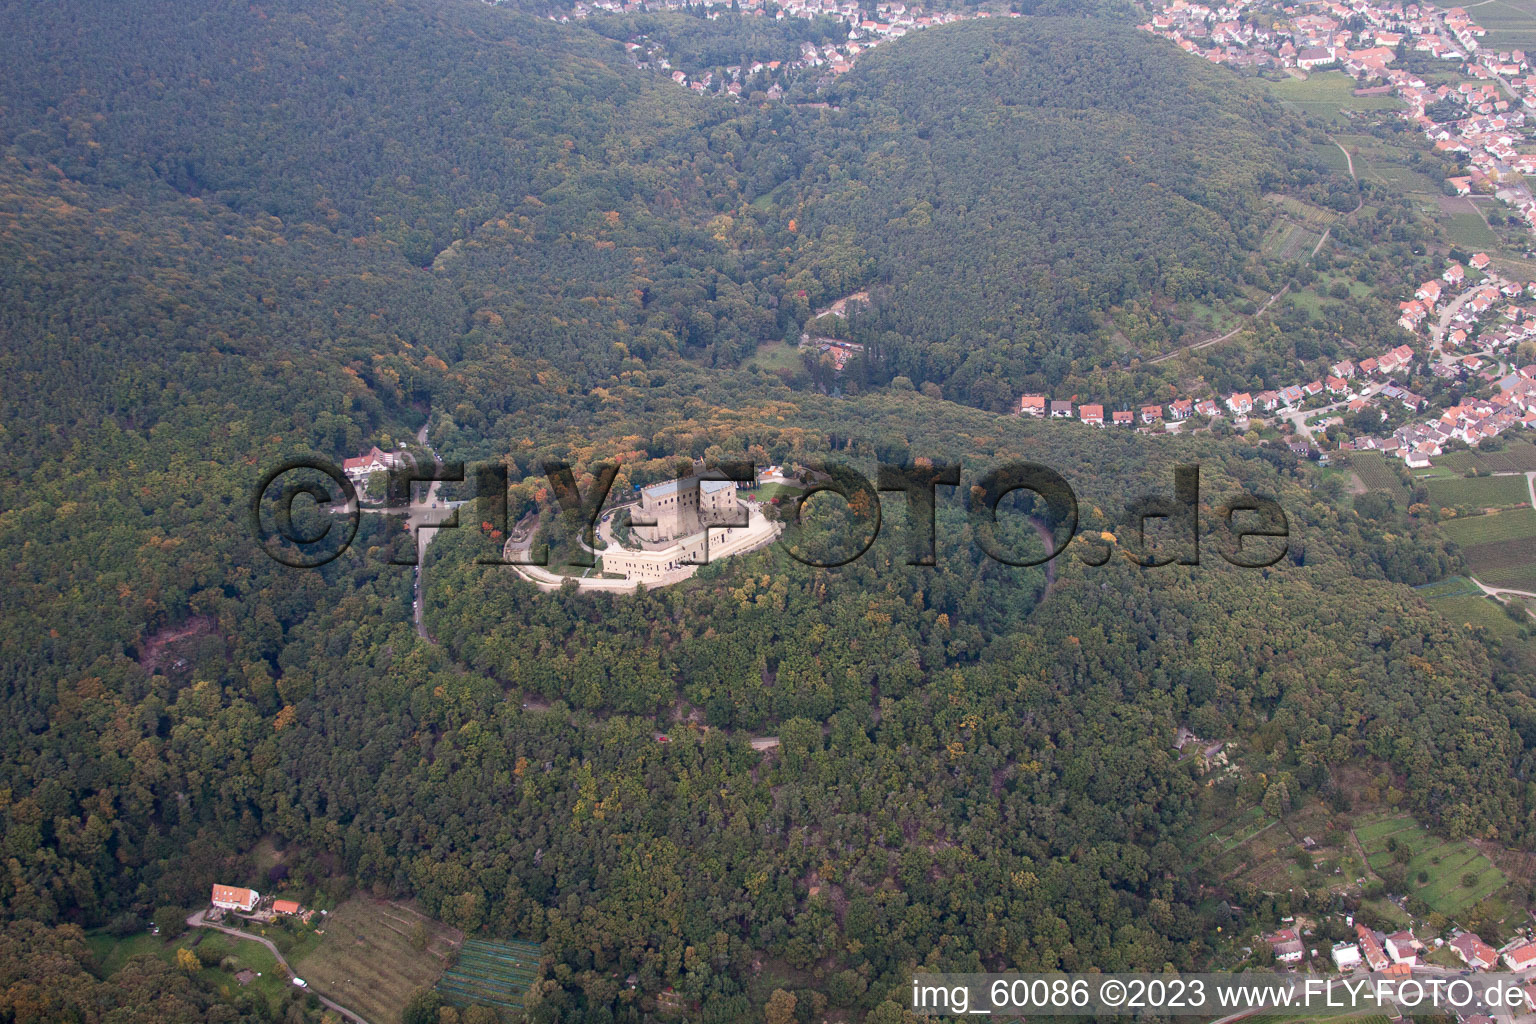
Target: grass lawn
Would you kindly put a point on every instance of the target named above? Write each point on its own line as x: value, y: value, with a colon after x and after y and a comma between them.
x: 1479, y: 492
x: 367, y: 960
x: 767, y: 492
x: 776, y: 355
x: 1443, y: 864
x: 112, y: 953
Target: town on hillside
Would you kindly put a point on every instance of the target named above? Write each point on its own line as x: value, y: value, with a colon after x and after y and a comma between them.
x: 1479, y: 123
x: 867, y: 28
x: 1466, y: 323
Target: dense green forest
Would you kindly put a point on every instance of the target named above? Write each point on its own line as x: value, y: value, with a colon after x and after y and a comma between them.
x: 233, y: 235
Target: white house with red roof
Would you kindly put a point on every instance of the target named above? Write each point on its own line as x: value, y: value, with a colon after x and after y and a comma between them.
x: 358, y: 470
x: 232, y: 897
x: 1521, y: 957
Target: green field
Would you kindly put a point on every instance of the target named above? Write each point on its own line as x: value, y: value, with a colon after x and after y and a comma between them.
x: 492, y: 974
x: 1479, y: 492
x: 368, y: 959
x: 775, y: 355
x: 1469, y: 229
x: 233, y: 955
x: 1451, y: 586
x: 1445, y: 862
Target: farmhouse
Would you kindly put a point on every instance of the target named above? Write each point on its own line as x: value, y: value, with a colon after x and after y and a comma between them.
x: 231, y: 897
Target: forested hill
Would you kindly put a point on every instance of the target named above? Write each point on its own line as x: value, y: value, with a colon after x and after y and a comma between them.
x: 231, y: 234
x: 1013, y: 180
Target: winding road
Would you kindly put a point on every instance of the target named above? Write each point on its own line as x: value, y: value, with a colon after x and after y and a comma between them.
x: 197, y: 920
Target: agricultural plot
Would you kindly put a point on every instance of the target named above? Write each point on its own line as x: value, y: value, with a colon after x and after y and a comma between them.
x: 1479, y: 492
x: 369, y: 958
x: 1468, y: 228
x: 1373, y: 471
x: 494, y: 974
x: 1286, y: 239
x: 1438, y: 871
x: 1507, y: 566
x: 1312, y: 216
x: 1511, y: 24
x: 1477, y: 611
x: 1474, y: 531
x: 1327, y: 95
x: 1517, y: 457
x: 1451, y: 586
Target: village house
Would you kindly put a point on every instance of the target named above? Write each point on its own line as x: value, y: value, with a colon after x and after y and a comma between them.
x: 1181, y: 409
x: 1403, y: 948
x: 1520, y: 957
x: 1286, y: 945
x: 1124, y: 419
x: 1151, y: 413
x: 1346, y: 956
x: 1061, y: 410
x: 1473, y: 951
x: 1032, y: 405
x: 1370, y: 945
x: 1241, y: 403
x: 1091, y: 414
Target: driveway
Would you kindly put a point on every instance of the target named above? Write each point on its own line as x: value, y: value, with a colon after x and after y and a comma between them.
x: 198, y: 921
